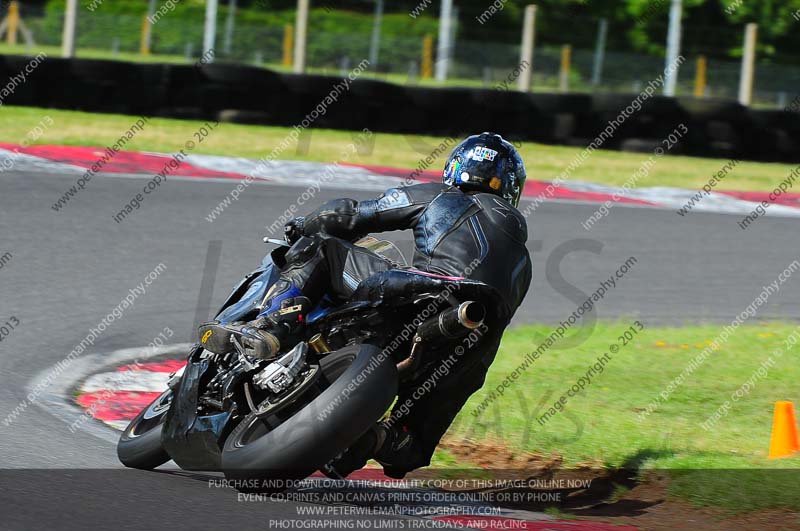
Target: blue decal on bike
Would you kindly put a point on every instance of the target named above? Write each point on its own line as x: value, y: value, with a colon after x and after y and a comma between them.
x: 275, y: 303
x: 323, y: 308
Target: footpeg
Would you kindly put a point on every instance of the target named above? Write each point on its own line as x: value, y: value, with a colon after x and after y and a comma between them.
x: 279, y: 375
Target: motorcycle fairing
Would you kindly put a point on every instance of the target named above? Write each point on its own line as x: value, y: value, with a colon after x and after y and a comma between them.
x: 192, y: 441
x: 248, y: 295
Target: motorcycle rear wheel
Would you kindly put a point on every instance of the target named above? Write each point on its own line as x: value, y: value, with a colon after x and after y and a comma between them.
x: 363, y: 386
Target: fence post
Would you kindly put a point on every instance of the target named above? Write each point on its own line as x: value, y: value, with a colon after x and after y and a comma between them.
x: 673, y: 47
x: 288, y: 44
x: 700, y: 77
x: 375, y: 42
x: 147, y: 33
x: 443, y: 52
x: 526, y: 53
x: 566, y: 60
x: 599, y: 51
x: 210, y: 31
x: 412, y: 72
x: 13, y: 23
x: 230, y: 22
x: 300, y: 38
x: 427, y: 57
x: 748, y: 64
x: 70, y: 21
x: 144, y: 45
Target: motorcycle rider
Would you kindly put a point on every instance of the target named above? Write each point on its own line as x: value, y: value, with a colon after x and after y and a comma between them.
x: 468, y: 225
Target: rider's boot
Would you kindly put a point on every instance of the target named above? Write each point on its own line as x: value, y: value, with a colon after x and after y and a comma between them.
x: 287, y: 303
x: 392, y: 446
x: 261, y: 338
x: 357, y: 455
x: 399, y: 454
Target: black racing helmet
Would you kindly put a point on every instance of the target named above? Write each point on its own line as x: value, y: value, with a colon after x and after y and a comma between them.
x: 486, y: 163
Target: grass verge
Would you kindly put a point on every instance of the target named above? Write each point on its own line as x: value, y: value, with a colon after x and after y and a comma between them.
x: 602, y: 425
x: 543, y: 162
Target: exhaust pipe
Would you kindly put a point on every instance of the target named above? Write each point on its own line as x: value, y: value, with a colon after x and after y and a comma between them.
x: 451, y: 323
x: 454, y: 322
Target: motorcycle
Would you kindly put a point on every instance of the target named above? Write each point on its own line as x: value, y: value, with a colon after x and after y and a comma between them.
x: 286, y: 417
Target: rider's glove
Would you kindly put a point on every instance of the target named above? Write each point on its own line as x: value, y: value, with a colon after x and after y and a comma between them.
x: 293, y: 229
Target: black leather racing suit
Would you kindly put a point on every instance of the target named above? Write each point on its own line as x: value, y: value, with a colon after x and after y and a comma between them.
x: 480, y: 234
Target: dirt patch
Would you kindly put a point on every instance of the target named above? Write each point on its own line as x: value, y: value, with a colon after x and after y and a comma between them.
x: 495, y: 455
x: 648, y: 507
x: 613, y: 496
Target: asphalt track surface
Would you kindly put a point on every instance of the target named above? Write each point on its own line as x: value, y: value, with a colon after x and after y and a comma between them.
x: 69, y: 269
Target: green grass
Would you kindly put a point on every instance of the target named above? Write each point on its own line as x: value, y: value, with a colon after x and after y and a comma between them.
x: 557, y: 513
x: 725, y: 466
x: 543, y: 162
x: 93, y: 53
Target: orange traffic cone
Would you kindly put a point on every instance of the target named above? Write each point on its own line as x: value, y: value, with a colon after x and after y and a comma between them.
x: 785, y: 440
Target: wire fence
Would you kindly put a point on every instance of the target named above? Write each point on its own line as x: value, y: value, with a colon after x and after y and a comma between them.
x: 332, y: 50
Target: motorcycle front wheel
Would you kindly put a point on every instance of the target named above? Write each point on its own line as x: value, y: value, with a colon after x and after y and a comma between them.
x: 140, y: 443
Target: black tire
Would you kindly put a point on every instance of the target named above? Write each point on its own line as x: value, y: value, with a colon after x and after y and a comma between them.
x: 140, y: 443
x: 305, y: 442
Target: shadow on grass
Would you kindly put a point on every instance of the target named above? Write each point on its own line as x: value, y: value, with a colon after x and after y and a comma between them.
x: 582, y: 491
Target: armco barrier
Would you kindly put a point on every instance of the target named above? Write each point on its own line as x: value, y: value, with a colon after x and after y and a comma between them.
x: 185, y: 91
x: 243, y: 88
x: 780, y: 133
x: 511, y: 112
x: 654, y: 118
x: 308, y: 92
x: 99, y: 85
x: 384, y: 104
x: 571, y: 119
x: 145, y: 89
x: 258, y: 96
x: 722, y: 129
x: 30, y: 92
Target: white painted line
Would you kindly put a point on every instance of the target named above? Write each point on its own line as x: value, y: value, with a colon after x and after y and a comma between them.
x: 57, y: 399
x: 118, y: 425
x: 134, y: 381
